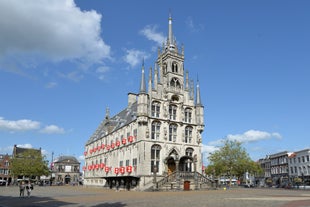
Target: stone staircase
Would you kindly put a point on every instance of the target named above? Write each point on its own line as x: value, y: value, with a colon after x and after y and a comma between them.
x: 182, y: 181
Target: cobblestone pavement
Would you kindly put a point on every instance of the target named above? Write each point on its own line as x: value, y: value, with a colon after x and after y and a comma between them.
x: 79, y: 196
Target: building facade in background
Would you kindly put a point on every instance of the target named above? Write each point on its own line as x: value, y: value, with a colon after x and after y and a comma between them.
x: 299, y: 166
x: 286, y: 169
x: 5, y: 177
x: 158, y: 134
x: 65, y: 170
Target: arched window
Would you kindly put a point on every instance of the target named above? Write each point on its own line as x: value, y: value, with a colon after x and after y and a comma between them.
x: 172, y: 112
x: 155, y: 109
x: 155, y: 130
x: 174, y: 67
x: 173, y: 132
x: 188, y: 115
x: 155, y: 157
x: 188, y: 134
x: 175, y: 83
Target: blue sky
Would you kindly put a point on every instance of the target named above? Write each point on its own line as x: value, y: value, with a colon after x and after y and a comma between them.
x: 63, y: 62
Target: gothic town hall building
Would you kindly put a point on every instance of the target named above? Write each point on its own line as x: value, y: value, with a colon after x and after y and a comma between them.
x: 155, y: 142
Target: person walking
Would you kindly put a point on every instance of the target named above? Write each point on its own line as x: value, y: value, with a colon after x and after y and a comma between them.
x: 21, y: 189
x: 29, y: 188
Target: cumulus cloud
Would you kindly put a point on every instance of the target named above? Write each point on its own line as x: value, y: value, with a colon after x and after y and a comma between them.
x: 28, y: 146
x: 134, y: 57
x: 18, y: 125
x: 28, y: 125
x: 150, y: 33
x: 246, y: 137
x: 50, y: 30
x: 253, y: 136
x: 52, y: 129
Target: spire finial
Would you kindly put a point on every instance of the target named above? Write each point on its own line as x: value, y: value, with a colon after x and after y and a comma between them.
x: 170, y: 41
x: 142, y: 85
x: 198, y: 99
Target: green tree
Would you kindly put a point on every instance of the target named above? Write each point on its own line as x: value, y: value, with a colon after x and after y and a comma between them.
x: 29, y: 163
x: 231, y: 160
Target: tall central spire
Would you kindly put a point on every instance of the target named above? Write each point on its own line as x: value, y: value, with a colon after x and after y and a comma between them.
x: 170, y: 34
x: 142, y: 84
x: 170, y: 40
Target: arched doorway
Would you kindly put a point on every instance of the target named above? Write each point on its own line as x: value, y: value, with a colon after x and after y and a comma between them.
x: 67, y: 179
x: 186, y: 164
x: 171, y: 165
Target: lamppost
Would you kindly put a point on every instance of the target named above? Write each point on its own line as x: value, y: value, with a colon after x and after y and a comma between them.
x: 195, y: 172
x: 51, y: 169
x: 177, y: 171
x: 154, y: 173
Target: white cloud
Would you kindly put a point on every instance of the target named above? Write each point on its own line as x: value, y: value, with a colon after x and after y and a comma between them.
x: 19, y: 125
x: 192, y: 26
x: 28, y: 125
x: 246, y: 137
x: 52, y: 129
x: 101, y: 71
x: 51, y: 85
x: 150, y: 33
x: 133, y: 57
x: 253, y: 136
x: 49, y: 30
x: 28, y: 146
x: 206, y: 150
x: 81, y: 158
x: 73, y: 76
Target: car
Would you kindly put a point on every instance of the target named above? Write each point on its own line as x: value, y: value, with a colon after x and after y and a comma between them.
x: 2, y: 182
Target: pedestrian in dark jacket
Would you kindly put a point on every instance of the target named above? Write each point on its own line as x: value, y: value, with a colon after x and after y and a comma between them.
x: 21, y: 189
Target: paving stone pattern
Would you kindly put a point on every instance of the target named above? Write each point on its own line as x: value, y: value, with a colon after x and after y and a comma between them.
x: 80, y: 196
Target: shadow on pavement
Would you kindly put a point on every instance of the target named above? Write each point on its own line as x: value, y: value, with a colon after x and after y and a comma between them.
x: 116, y: 204
x: 33, y: 201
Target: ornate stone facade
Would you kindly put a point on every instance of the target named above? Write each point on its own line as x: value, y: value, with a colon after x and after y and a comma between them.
x: 156, y: 135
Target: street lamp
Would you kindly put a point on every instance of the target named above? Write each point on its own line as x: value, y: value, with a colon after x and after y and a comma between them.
x: 154, y: 173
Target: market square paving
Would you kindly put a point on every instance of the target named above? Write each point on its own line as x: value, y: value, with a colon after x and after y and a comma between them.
x: 80, y: 196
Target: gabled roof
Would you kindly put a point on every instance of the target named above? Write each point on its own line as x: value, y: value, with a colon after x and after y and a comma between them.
x: 110, y: 125
x: 20, y: 150
x: 67, y: 159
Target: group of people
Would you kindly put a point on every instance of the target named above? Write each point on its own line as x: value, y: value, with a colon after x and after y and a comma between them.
x: 25, y: 186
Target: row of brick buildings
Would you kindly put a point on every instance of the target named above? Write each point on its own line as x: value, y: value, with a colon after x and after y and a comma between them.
x: 63, y: 170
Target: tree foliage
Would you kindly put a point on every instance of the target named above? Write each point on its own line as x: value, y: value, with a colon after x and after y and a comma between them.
x: 29, y: 163
x: 232, y: 160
